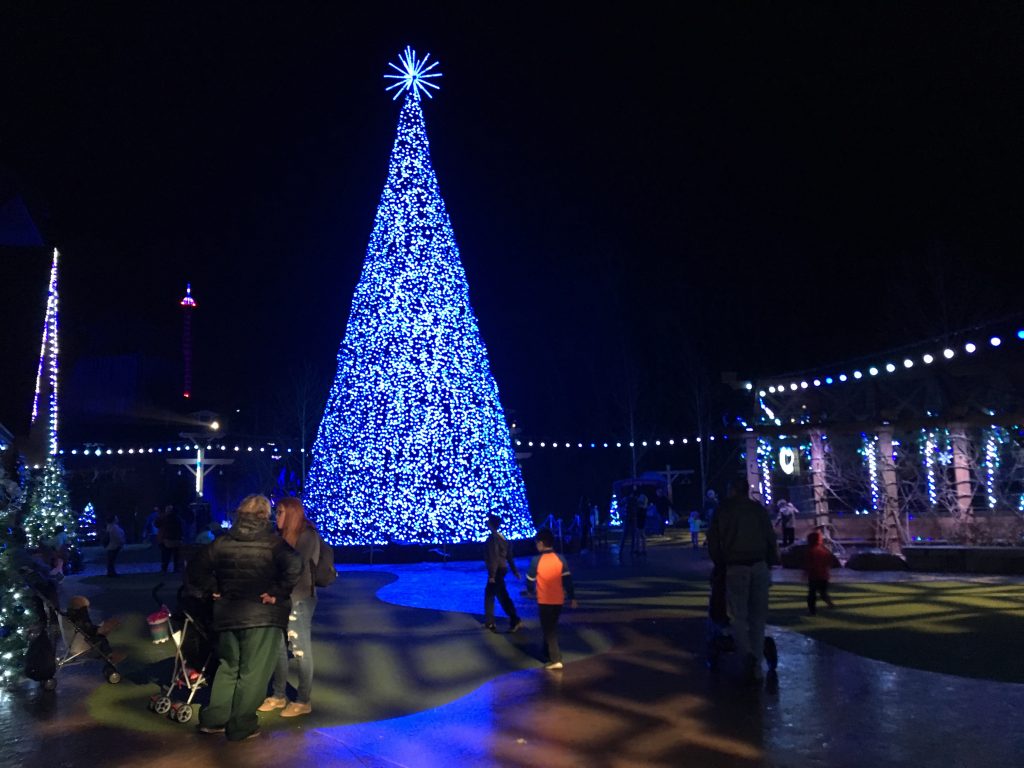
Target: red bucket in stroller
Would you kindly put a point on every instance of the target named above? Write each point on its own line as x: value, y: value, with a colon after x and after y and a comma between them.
x: 189, y: 629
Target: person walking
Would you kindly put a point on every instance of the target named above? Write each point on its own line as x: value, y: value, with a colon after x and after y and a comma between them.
x: 498, y: 559
x: 302, y: 536
x: 550, y: 580
x: 817, y: 565
x: 249, y: 573
x: 741, y: 539
x: 115, y: 542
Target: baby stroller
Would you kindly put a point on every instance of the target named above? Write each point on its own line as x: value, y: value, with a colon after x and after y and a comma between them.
x: 188, y: 629
x: 81, y: 639
x: 719, y: 640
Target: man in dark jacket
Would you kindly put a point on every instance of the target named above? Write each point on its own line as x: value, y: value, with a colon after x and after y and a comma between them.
x: 498, y: 559
x: 249, y: 573
x: 741, y: 539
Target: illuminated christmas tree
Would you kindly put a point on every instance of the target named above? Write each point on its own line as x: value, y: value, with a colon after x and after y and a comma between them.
x: 49, y: 509
x: 15, y: 613
x: 413, y: 445
x: 88, y: 531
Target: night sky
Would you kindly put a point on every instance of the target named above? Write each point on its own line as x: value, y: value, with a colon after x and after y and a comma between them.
x: 634, y: 194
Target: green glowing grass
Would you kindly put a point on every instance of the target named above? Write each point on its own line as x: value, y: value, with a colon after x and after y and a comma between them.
x: 954, y: 627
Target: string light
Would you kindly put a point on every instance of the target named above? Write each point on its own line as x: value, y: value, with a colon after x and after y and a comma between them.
x: 764, y: 462
x: 870, y: 451
x: 948, y: 353
x: 48, y: 355
x: 929, y: 467
x: 413, y: 445
x: 992, y: 442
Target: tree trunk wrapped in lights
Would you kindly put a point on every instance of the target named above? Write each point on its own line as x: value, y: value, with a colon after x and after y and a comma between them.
x: 413, y: 445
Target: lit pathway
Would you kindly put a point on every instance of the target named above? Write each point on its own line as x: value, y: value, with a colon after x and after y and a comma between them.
x: 400, y: 685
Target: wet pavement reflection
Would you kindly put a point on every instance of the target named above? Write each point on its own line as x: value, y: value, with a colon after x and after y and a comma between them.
x: 406, y: 677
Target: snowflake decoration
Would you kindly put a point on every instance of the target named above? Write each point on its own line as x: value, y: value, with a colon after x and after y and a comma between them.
x: 414, y: 74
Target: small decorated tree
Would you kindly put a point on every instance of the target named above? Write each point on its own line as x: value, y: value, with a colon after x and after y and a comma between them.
x: 14, y: 609
x: 49, y: 509
x: 87, y: 528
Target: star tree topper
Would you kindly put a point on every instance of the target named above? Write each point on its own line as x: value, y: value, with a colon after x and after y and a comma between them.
x: 414, y: 75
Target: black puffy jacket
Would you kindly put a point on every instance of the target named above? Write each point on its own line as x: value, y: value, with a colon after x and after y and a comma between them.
x: 247, y: 562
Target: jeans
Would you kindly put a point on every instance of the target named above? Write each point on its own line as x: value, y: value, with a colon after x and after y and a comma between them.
x: 747, y: 596
x: 112, y: 561
x: 549, y: 627
x: 788, y: 535
x: 499, y: 590
x: 300, y: 636
x: 246, y: 661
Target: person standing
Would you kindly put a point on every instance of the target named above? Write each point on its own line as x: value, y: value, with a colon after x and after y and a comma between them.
x: 741, y: 539
x: 249, y: 573
x: 695, y: 529
x: 787, y: 520
x: 150, y: 533
x: 710, y: 504
x: 550, y: 580
x: 115, y: 542
x: 498, y: 559
x: 627, y: 513
x: 640, y: 526
x: 302, y: 536
x: 168, y: 536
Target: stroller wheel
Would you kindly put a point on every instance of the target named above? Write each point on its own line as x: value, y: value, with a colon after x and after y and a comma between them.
x: 50, y: 685
x: 162, y: 705
x: 184, y: 713
x: 113, y: 677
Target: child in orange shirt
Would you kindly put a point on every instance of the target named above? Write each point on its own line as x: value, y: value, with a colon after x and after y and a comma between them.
x: 550, y: 580
x: 817, y: 564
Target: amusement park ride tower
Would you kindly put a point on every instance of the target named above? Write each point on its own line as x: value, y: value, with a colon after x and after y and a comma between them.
x: 188, y: 305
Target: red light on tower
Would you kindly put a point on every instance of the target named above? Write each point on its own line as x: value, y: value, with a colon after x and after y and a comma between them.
x: 187, y: 304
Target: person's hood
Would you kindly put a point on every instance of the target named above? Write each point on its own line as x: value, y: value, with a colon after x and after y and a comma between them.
x: 249, y: 527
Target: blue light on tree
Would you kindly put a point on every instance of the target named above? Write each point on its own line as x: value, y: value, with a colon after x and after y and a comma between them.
x: 413, y: 445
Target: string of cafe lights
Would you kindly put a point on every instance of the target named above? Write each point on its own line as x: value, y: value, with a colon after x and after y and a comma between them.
x: 947, y: 353
x: 97, y: 449
x: 857, y: 373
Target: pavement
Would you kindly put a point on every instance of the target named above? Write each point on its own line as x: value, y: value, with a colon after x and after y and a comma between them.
x: 406, y: 677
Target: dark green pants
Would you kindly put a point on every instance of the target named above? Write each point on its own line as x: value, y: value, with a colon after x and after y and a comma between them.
x: 247, y: 659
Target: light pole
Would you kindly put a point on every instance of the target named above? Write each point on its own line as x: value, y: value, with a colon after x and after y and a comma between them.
x: 200, y: 466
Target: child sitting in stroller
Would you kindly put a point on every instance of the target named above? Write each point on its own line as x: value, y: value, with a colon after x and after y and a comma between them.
x: 78, y: 615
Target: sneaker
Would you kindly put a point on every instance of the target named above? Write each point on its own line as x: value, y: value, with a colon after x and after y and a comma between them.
x: 516, y: 625
x: 271, y: 703
x: 296, y: 708
x: 492, y: 627
x: 254, y: 734
x: 209, y: 729
x: 553, y: 665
